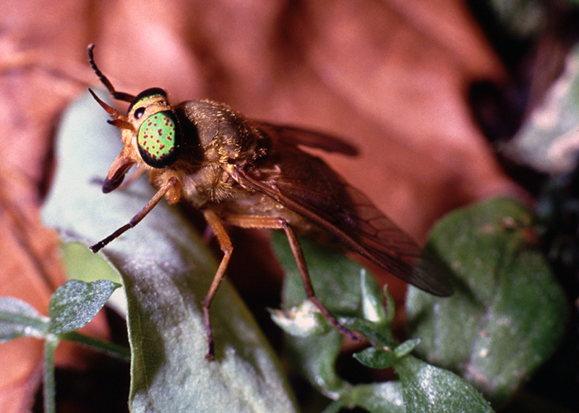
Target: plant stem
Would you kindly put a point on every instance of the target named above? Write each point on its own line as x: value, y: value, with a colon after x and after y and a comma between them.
x: 49, y: 383
x: 113, y: 350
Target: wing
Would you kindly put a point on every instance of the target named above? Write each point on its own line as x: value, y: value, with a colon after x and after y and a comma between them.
x: 310, y: 138
x: 309, y: 187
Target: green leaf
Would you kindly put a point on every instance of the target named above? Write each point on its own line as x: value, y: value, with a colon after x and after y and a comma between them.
x: 507, y: 314
x: 75, y: 303
x: 331, y: 272
x: 166, y: 271
x: 20, y: 319
x: 315, y: 357
x: 431, y: 389
x: 373, y: 302
x: 376, y: 398
x: 376, y: 358
x: 81, y: 264
x: 547, y: 140
x: 406, y: 348
x: 377, y: 335
x: 421, y: 386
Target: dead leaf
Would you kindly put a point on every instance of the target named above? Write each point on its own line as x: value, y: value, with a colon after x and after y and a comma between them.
x: 390, y: 76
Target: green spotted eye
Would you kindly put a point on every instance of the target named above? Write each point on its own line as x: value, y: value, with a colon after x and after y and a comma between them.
x: 158, y: 139
x: 159, y: 134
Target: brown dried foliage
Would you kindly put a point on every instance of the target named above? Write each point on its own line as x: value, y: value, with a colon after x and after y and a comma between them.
x: 391, y: 76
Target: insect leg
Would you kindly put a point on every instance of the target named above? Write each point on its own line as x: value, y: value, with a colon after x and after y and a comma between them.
x: 227, y: 248
x: 137, y: 218
x: 245, y: 221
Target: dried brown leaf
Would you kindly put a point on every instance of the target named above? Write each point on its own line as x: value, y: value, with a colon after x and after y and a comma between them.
x: 391, y: 76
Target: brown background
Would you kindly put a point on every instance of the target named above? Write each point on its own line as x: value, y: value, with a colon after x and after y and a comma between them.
x: 390, y: 76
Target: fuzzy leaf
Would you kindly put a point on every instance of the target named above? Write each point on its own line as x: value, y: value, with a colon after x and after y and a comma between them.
x: 507, y: 314
x: 431, y: 389
x: 406, y: 348
x: 548, y: 140
x: 166, y: 273
x: 315, y: 357
x: 75, y: 303
x: 376, y: 398
x: 373, y: 302
x: 81, y: 264
x: 376, y: 358
x: 20, y: 319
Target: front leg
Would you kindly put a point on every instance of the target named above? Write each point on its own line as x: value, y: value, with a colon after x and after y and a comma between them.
x: 171, y: 184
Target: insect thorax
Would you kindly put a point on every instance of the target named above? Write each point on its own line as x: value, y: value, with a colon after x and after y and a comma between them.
x: 224, y: 136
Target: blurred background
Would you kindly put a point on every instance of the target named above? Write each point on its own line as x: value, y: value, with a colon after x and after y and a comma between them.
x: 431, y: 93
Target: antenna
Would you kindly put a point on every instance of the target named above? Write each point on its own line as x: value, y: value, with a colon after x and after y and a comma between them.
x: 117, y: 95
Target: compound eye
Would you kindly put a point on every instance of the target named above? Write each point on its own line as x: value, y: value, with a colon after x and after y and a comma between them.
x: 159, y: 139
x: 139, y: 113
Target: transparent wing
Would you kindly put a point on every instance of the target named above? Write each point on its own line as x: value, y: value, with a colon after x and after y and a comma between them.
x: 310, y: 138
x: 307, y: 186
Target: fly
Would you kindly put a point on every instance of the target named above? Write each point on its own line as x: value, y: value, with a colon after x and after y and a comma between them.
x: 252, y: 174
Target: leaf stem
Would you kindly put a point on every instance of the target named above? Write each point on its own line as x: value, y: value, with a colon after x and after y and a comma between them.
x: 111, y: 349
x: 49, y: 383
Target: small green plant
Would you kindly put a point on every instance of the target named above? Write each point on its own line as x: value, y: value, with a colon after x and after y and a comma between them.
x: 71, y: 307
x: 421, y: 386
